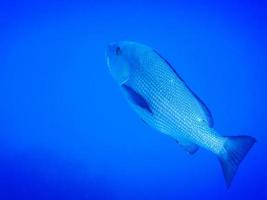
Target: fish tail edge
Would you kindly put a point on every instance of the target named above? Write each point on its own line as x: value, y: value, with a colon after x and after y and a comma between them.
x: 234, y: 151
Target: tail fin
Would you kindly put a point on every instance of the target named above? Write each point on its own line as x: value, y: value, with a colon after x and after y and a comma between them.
x: 234, y: 151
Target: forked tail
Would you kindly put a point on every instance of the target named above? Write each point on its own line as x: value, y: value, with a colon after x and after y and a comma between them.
x: 233, y: 152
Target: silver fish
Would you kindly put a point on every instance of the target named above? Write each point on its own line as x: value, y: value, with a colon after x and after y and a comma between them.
x: 163, y: 100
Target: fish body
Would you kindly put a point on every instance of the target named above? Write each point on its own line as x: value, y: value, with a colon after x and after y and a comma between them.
x: 162, y: 99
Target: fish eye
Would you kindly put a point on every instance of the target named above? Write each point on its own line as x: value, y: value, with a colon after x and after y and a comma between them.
x: 118, y: 51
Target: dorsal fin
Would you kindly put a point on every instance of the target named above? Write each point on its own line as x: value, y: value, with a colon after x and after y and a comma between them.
x: 201, y: 103
x: 204, y: 108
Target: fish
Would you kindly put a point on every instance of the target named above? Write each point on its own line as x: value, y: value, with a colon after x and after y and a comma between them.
x: 164, y: 101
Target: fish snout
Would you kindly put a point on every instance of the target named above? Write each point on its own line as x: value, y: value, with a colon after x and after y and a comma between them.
x: 111, y: 53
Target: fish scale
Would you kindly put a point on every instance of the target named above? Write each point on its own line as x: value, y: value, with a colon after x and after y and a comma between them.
x: 174, y: 115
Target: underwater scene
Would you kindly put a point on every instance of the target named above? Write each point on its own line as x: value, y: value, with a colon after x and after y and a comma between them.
x: 133, y: 100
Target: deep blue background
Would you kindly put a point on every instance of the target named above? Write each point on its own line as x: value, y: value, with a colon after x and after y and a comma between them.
x: 65, y: 129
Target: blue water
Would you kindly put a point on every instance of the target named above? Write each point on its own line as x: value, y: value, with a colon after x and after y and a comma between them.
x: 66, y: 132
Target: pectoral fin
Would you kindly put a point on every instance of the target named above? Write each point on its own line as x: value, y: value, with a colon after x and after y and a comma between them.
x: 188, y: 146
x: 136, y: 98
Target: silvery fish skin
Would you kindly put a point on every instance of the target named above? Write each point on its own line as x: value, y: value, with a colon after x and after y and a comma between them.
x: 163, y: 100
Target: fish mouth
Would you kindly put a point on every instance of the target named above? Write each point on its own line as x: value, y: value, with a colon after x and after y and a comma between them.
x: 109, y: 54
x: 110, y: 51
x: 108, y: 60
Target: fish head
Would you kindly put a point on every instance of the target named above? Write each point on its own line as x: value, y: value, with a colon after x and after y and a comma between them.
x: 123, y: 59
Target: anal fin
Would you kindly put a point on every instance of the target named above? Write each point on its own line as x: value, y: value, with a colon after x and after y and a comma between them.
x: 189, y: 147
